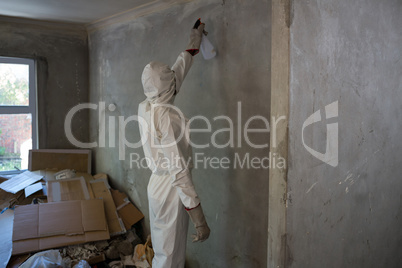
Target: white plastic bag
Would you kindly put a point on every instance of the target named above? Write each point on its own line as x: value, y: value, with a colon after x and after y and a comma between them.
x: 82, y: 264
x: 207, y: 49
x: 45, y: 259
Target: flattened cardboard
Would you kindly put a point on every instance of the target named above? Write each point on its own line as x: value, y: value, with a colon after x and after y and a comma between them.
x: 49, y: 225
x: 25, y: 246
x: 49, y: 176
x: 79, y: 160
x: 69, y: 189
x: 100, y: 176
x: 101, y: 190
x: 126, y: 210
x: 93, y: 219
x: 26, y: 222
x: 53, y: 220
x: 130, y: 215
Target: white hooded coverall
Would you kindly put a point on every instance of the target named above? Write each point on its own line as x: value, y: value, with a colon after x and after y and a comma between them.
x: 165, y: 137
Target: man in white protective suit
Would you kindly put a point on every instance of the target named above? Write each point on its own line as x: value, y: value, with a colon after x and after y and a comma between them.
x: 165, y: 136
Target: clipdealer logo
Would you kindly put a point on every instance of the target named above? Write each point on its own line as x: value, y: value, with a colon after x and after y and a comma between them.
x: 330, y: 156
x: 235, y: 128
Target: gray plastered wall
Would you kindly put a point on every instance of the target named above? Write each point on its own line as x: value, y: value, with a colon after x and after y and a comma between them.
x: 348, y: 215
x: 61, y: 55
x: 235, y: 200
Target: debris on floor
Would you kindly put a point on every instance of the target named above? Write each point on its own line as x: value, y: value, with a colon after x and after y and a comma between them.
x: 115, y: 250
x: 58, y: 206
x: 143, y: 254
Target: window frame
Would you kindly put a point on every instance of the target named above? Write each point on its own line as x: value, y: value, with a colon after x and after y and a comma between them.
x: 18, y: 109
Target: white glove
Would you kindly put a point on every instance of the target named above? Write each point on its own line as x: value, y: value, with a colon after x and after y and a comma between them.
x: 193, y: 46
x: 200, y: 224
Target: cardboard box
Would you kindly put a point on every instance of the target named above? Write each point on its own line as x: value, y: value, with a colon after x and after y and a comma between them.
x: 100, y: 189
x: 126, y: 210
x: 78, y: 159
x: 50, y: 225
x: 68, y: 189
x: 80, y: 189
x: 48, y: 175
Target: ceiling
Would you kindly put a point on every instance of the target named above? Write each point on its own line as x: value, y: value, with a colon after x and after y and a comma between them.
x: 74, y: 11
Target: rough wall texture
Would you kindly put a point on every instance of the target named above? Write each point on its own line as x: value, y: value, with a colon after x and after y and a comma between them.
x: 349, y: 215
x: 61, y: 54
x: 235, y: 200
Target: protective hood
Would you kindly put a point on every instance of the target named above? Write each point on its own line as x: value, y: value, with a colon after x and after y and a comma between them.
x: 158, y: 81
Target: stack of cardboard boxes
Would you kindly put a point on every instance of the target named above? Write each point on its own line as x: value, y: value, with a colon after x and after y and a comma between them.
x: 77, y: 209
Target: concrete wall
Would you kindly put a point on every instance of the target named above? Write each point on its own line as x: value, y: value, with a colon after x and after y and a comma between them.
x: 349, y: 215
x: 235, y: 200
x: 61, y: 54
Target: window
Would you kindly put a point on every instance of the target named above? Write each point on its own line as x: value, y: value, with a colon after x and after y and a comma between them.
x: 17, y: 113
